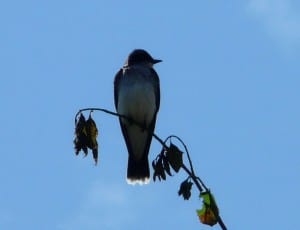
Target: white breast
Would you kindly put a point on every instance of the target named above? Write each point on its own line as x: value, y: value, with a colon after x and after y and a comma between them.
x: 137, y: 99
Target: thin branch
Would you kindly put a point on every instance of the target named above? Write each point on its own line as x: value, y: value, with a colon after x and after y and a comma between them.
x: 160, y: 140
x: 198, y: 182
x: 98, y: 109
x: 123, y: 116
x: 221, y: 223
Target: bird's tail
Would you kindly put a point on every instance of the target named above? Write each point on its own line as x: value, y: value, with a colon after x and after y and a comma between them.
x: 138, y: 171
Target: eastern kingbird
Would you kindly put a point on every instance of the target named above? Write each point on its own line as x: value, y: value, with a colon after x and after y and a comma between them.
x: 137, y: 96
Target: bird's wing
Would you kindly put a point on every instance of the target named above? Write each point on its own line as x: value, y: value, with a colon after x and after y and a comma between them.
x: 116, y: 86
x: 156, y: 88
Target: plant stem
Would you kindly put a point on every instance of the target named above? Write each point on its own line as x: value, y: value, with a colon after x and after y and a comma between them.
x: 198, y: 182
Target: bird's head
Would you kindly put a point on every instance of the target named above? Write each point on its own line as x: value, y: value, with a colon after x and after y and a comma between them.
x: 140, y: 56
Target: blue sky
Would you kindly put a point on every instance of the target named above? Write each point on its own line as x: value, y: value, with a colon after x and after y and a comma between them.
x: 229, y: 89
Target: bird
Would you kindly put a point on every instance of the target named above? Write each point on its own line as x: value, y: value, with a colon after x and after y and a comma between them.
x: 137, y: 97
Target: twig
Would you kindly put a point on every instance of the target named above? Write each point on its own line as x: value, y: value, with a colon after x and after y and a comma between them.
x: 198, y: 182
x: 99, y: 109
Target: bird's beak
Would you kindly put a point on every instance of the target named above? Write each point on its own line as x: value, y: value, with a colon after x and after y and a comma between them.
x: 156, y: 61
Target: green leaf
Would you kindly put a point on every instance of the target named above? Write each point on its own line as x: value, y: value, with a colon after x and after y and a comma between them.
x: 209, y: 200
x: 209, y: 212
